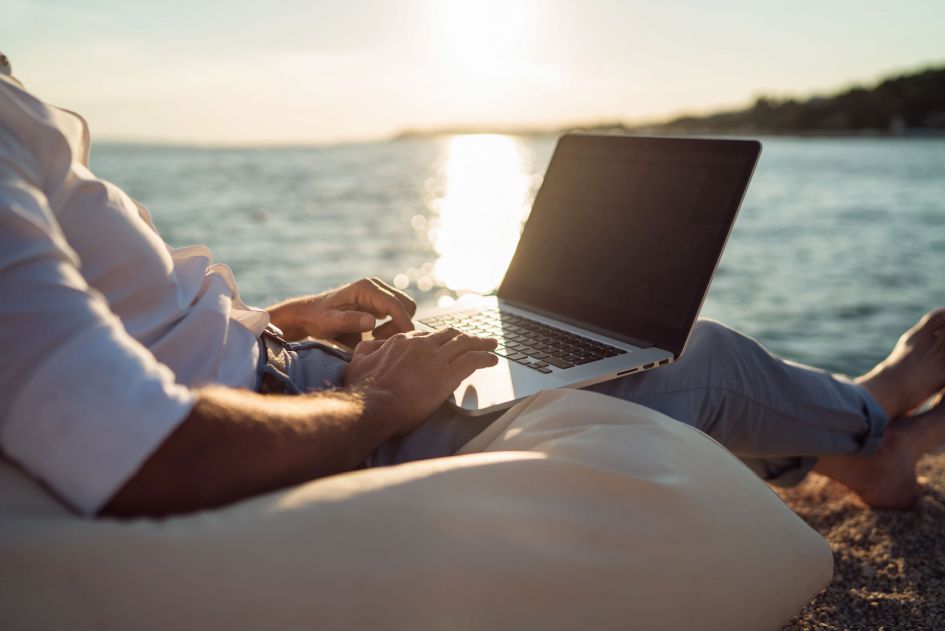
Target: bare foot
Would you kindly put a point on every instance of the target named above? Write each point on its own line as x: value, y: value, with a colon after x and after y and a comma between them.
x: 887, y: 478
x: 914, y: 370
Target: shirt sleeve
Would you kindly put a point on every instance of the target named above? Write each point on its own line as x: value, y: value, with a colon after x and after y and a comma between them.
x: 82, y: 403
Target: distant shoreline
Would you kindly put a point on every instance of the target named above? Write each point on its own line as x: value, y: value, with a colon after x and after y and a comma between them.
x: 903, y: 106
x: 912, y: 135
x: 918, y: 134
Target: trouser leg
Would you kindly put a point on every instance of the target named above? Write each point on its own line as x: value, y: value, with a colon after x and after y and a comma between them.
x: 775, y: 415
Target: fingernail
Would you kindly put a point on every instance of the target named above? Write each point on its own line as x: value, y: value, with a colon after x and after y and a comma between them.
x: 367, y: 322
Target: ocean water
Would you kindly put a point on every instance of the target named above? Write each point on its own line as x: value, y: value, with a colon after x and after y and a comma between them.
x: 839, y: 246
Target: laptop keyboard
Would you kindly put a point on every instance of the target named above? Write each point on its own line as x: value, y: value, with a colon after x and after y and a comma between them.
x: 530, y: 343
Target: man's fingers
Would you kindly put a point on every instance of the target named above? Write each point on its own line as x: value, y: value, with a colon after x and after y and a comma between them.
x: 386, y: 330
x: 367, y: 347
x: 349, y: 321
x: 382, y: 302
x: 443, y: 336
x: 469, y: 363
x: 409, y: 304
x: 463, y: 343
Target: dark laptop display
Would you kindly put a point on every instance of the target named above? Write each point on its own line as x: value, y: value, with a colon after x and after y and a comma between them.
x: 624, y: 236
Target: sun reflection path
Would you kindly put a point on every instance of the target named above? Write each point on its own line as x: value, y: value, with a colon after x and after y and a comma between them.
x: 486, y: 188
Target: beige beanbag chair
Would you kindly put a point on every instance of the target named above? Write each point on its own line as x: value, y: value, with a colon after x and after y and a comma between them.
x: 582, y: 512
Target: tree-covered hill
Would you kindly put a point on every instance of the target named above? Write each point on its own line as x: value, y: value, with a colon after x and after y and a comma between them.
x: 911, y: 103
x: 908, y: 104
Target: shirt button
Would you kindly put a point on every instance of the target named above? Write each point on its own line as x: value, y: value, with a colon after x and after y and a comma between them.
x: 5, y: 67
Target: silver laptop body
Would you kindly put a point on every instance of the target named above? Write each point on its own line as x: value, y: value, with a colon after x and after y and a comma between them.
x: 612, y: 266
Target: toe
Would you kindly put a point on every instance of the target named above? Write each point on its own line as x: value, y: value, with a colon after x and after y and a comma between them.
x: 938, y: 343
x: 936, y: 399
x: 933, y: 320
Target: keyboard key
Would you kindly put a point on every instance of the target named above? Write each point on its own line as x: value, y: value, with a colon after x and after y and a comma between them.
x: 559, y: 363
x: 544, y: 370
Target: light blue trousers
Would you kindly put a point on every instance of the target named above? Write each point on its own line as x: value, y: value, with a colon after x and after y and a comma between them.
x: 775, y: 415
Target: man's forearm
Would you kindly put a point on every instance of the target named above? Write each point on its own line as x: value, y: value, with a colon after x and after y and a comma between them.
x: 236, y: 444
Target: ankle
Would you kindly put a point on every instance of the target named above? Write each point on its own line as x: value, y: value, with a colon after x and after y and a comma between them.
x: 882, y: 390
x: 884, y: 480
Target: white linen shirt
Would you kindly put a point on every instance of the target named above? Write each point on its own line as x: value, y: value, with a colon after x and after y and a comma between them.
x: 105, y: 330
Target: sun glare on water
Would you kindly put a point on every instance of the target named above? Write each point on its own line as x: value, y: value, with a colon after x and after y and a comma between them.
x: 486, y: 183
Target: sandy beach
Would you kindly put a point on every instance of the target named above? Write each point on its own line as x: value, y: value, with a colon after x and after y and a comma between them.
x: 889, y: 566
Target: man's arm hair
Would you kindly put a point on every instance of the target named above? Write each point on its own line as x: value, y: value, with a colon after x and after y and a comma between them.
x: 236, y: 444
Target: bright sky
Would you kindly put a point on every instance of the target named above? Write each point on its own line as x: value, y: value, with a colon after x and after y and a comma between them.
x: 327, y: 70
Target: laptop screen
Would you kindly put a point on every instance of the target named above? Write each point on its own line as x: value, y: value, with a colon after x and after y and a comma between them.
x: 626, y: 232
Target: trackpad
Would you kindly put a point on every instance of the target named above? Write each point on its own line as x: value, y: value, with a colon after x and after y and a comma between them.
x: 496, y: 387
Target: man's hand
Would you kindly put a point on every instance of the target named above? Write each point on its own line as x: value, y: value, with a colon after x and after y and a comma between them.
x: 410, y: 375
x: 346, y: 312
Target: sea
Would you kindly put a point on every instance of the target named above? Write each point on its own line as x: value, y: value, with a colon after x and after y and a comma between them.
x: 838, y: 248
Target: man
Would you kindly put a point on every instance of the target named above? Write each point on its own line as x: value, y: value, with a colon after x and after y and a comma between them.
x: 137, y: 382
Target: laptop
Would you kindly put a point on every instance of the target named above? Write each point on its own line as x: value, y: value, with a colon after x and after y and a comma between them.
x: 611, y: 268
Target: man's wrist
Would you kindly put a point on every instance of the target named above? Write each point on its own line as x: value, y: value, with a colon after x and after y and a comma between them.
x: 285, y: 316
x: 379, y: 411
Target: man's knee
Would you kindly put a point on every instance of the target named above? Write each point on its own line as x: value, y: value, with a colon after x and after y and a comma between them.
x: 709, y: 339
x: 720, y: 358
x: 711, y: 331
